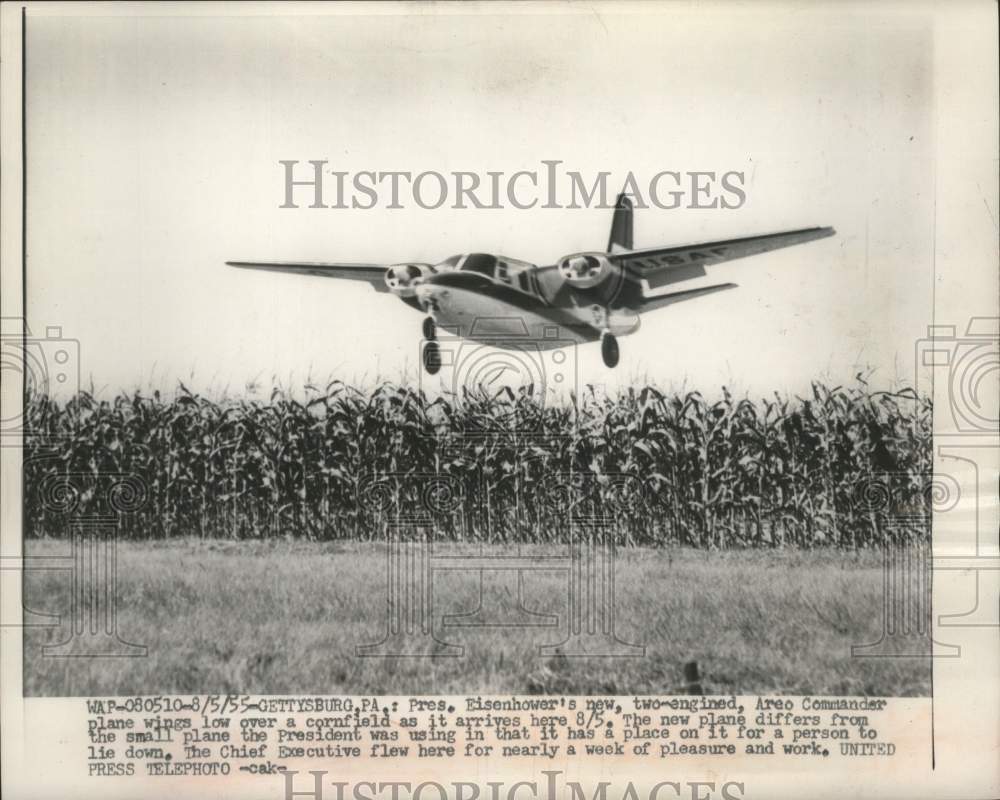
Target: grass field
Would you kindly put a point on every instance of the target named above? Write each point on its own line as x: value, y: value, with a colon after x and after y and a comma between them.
x: 284, y: 617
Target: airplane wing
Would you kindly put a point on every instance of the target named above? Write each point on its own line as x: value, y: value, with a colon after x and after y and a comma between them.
x: 665, y: 265
x: 373, y: 274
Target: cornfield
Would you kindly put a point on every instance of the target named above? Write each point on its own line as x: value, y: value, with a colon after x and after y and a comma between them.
x: 835, y: 468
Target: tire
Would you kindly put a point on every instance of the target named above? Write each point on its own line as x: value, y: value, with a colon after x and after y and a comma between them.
x: 430, y: 329
x: 609, y: 350
x: 432, y: 357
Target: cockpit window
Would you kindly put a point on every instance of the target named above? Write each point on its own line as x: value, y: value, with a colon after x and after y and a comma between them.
x: 452, y: 261
x: 482, y: 263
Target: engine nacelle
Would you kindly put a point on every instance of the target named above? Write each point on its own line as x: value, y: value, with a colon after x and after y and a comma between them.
x: 586, y: 270
x: 403, y: 279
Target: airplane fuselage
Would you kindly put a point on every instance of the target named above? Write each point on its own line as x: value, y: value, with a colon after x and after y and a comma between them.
x: 513, y: 302
x: 494, y: 315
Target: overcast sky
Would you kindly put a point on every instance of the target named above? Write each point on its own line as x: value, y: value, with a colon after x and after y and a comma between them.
x: 153, y: 158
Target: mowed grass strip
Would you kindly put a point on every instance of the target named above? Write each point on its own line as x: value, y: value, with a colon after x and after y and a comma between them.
x: 285, y: 617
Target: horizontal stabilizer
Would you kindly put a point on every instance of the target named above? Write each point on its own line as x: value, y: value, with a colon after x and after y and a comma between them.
x: 658, y: 300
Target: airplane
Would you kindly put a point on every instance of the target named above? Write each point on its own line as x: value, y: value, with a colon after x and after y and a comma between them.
x: 587, y: 296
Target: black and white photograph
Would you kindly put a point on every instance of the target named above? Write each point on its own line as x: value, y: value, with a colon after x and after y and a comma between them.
x: 500, y: 349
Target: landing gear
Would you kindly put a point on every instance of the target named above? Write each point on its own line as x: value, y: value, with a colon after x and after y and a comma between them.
x: 432, y: 357
x: 609, y: 350
x: 432, y: 350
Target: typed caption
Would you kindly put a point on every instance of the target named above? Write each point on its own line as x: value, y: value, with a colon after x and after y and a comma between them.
x: 217, y: 735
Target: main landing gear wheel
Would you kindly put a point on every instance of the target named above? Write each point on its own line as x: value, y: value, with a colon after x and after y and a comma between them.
x: 430, y: 329
x: 432, y: 357
x: 609, y: 350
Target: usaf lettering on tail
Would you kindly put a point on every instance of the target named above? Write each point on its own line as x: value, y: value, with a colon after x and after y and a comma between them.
x: 584, y: 297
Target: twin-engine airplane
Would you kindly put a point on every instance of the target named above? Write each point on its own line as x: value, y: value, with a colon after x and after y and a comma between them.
x: 585, y: 296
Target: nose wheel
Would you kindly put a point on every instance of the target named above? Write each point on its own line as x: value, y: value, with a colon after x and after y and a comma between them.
x: 432, y: 350
x: 609, y: 350
x: 432, y: 357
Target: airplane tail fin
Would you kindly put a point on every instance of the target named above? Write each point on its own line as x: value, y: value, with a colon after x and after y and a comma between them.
x: 621, y: 226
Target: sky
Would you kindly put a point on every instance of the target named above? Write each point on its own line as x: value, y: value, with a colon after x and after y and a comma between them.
x: 155, y: 142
